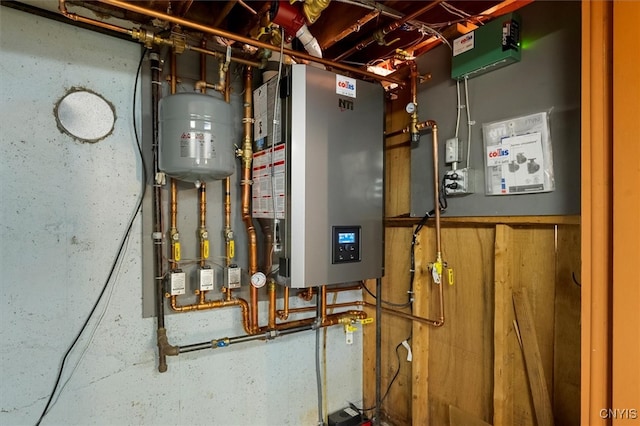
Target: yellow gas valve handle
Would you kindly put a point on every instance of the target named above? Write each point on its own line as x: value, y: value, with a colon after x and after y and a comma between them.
x: 205, y: 249
x: 366, y: 320
x: 348, y: 328
x: 176, y: 251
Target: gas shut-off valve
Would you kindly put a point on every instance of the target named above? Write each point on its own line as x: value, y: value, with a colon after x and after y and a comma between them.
x: 350, y: 327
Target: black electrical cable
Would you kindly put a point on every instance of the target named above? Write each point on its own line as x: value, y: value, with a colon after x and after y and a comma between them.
x: 393, y: 379
x: 419, y: 227
x: 115, y: 261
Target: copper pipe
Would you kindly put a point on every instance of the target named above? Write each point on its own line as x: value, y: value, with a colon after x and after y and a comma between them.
x: 173, y: 230
x: 308, y: 293
x: 436, y: 200
x: 227, y: 88
x: 257, y: 43
x: 435, y: 323
x: 323, y: 304
x: 333, y: 319
x: 352, y: 29
x: 284, y: 314
x: 203, y: 65
x: 391, y: 27
x: 415, y: 136
x: 202, y: 232
x: 436, y: 184
x: 215, y: 304
x: 271, y: 290
x: 228, y: 235
x: 173, y: 193
x: 62, y: 7
x: 245, y: 184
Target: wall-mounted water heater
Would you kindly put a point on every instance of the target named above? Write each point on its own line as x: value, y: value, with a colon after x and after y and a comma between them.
x: 319, y: 178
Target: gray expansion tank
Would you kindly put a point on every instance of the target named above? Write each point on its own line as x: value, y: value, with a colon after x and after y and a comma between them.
x: 195, y: 137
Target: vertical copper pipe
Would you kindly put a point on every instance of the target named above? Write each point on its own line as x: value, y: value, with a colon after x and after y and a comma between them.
x: 436, y: 200
x: 245, y: 183
x: 173, y: 230
x: 271, y: 288
x: 307, y: 294
x: 203, y: 66
x: 202, y: 203
x: 173, y: 194
x: 285, y: 309
x: 436, y: 187
x: 227, y: 87
x: 413, y: 130
x: 323, y: 304
x: 227, y: 220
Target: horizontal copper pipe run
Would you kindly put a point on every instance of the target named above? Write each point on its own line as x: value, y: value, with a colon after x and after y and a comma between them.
x: 257, y: 43
x: 221, y: 56
x: 311, y: 291
x: 330, y: 320
x: 62, y: 7
x: 150, y: 38
x: 391, y: 27
x: 283, y: 314
x: 215, y: 304
x: 435, y: 323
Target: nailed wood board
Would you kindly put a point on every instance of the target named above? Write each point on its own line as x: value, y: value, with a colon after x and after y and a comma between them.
x: 532, y: 358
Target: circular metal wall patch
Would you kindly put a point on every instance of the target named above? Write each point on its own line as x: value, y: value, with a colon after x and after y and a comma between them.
x: 85, y: 115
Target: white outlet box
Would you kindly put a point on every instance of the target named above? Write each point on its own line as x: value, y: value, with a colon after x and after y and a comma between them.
x: 458, y: 182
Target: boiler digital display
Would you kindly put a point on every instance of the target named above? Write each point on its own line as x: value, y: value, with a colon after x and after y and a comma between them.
x: 346, y: 238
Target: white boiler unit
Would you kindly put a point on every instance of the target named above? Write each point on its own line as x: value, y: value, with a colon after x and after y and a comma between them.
x: 320, y: 178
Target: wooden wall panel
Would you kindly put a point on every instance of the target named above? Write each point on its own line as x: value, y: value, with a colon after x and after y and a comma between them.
x: 566, y: 386
x: 475, y: 362
x: 461, y: 352
x: 525, y: 259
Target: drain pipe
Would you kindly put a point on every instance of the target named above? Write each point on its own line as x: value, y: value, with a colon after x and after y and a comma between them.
x: 164, y: 348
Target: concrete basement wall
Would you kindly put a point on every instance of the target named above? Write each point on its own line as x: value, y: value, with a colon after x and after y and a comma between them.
x: 65, y: 206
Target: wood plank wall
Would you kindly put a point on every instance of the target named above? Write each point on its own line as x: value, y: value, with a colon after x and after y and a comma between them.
x: 474, y: 362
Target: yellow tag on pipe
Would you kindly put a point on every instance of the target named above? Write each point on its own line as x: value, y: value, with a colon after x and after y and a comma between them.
x: 450, y: 276
x: 176, y: 251
x: 232, y: 249
x: 205, y: 249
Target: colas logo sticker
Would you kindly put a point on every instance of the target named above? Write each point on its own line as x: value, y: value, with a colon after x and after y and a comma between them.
x: 347, y: 85
x: 499, y: 153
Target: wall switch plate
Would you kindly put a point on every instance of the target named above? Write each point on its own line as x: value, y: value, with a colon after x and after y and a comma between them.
x: 452, y: 151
